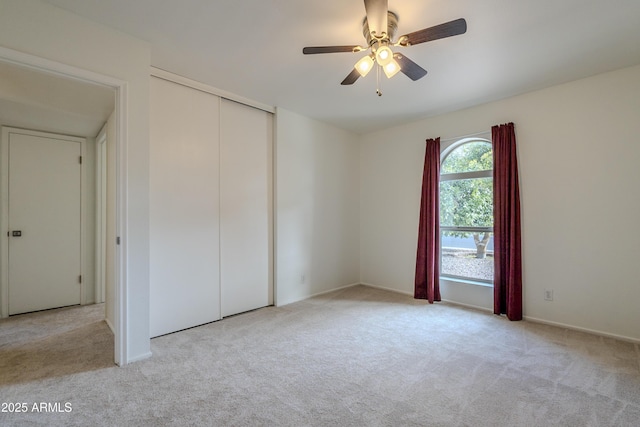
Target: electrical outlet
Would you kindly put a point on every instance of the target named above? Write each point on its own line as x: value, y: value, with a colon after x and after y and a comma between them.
x: 548, y: 294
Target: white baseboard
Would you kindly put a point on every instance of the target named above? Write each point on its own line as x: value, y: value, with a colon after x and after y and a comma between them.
x: 474, y: 307
x: 139, y: 357
x: 397, y: 291
x: 331, y: 290
x: 113, y: 330
x: 580, y: 329
x: 302, y: 298
x: 484, y: 309
x: 527, y: 318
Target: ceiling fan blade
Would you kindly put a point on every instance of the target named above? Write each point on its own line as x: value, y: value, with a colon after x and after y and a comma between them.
x: 351, y: 78
x: 410, y: 68
x: 448, y: 29
x: 330, y: 49
x: 377, y: 15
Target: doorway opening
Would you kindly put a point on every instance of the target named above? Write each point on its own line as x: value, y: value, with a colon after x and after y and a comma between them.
x: 51, y: 97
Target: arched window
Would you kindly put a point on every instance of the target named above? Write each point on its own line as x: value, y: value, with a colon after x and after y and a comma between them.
x: 466, y: 210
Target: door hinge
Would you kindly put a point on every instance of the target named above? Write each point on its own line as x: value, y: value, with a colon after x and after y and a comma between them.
x: 80, y: 278
x: 80, y: 159
x: 118, y: 240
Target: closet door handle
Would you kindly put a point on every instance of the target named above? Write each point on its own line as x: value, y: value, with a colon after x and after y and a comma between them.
x: 16, y: 233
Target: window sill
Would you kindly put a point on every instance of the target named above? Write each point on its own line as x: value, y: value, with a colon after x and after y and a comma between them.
x: 466, y: 281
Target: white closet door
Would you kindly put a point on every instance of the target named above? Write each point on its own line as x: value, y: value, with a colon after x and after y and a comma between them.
x: 245, y: 158
x: 184, y: 208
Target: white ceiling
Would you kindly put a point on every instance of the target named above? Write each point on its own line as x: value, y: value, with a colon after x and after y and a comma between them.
x: 254, y: 48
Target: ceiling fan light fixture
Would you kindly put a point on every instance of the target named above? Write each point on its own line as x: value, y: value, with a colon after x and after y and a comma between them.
x: 391, y: 69
x: 364, y: 65
x: 384, y: 55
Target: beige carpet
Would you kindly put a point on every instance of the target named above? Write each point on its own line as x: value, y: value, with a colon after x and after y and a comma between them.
x: 355, y: 357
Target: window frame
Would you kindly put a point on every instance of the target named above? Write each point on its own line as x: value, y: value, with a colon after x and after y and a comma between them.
x: 459, y: 142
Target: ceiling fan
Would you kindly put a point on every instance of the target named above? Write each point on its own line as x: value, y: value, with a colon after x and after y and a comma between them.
x: 379, y: 29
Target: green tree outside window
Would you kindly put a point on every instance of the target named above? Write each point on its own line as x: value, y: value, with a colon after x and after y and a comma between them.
x: 466, y: 200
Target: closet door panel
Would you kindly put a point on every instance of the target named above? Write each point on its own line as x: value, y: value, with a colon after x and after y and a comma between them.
x: 184, y: 207
x: 245, y: 192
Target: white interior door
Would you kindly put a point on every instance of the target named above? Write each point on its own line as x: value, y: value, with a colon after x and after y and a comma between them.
x: 44, y: 196
x: 245, y: 194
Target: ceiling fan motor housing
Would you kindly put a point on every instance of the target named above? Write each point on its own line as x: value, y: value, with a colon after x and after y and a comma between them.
x: 392, y: 27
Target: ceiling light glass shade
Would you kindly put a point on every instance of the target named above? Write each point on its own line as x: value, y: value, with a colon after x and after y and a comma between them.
x: 384, y: 55
x: 364, y: 65
x: 392, y: 68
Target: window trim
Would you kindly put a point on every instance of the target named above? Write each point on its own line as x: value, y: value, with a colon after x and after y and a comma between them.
x: 466, y: 175
x: 460, y: 176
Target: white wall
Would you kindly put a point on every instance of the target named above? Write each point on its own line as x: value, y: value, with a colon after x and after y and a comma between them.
x: 578, y: 158
x: 39, y: 29
x: 317, y: 233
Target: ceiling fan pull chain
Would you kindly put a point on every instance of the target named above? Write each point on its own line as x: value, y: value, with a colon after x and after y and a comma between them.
x: 378, y: 91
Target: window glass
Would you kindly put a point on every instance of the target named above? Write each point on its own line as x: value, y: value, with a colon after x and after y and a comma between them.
x: 469, y: 157
x: 466, y: 212
x: 467, y: 202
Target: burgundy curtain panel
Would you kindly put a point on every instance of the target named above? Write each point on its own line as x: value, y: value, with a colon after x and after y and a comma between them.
x: 427, y: 283
x: 507, y: 291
